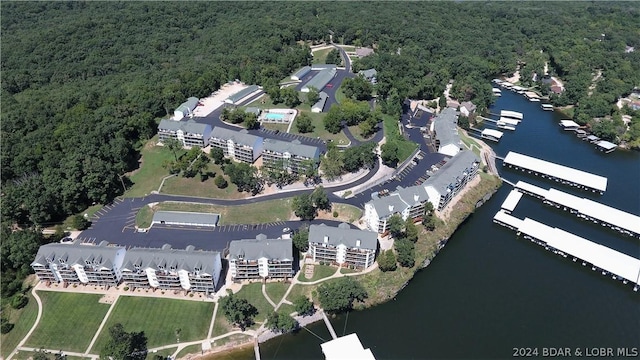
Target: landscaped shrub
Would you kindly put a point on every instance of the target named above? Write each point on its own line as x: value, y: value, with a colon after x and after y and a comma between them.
x: 335, y: 214
x: 5, y: 326
x: 18, y: 301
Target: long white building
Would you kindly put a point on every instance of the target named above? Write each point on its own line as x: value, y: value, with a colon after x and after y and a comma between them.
x: 260, y: 258
x: 189, y: 133
x: 237, y: 145
x: 342, y: 245
x: 445, y: 130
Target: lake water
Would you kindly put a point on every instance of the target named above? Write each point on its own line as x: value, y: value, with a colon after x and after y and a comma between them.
x: 489, y: 291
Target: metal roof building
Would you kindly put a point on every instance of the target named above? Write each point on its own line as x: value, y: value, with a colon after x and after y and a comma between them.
x: 320, y: 80
x: 301, y: 73
x: 319, y: 105
x: 446, y: 132
x: 343, y: 235
x: 186, y: 108
x: 511, y: 201
x: 346, y: 348
x: 261, y: 247
x: 185, y: 218
x: 294, y: 148
x: 236, y: 98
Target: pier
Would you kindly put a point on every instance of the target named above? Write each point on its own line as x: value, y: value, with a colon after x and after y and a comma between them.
x: 491, y: 134
x: 559, y: 173
x: 624, y: 222
x: 511, y: 201
x: 610, y: 262
x: 329, y: 326
x: 511, y: 114
x: 346, y: 347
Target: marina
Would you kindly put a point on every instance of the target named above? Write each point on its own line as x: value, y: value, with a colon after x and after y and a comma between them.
x: 511, y: 201
x: 621, y: 221
x: 496, y: 92
x: 610, y: 262
x: 556, y: 172
x: 490, y: 134
x: 346, y: 347
x: 569, y: 125
x: 606, y: 146
x: 547, y: 107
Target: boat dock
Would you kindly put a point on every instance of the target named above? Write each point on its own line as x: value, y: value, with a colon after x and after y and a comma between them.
x: 491, y: 134
x: 610, y: 262
x: 547, y: 107
x: 346, y: 347
x: 606, y: 146
x: 559, y: 173
x: 511, y: 114
x: 624, y: 222
x: 329, y: 326
x: 511, y: 201
x: 569, y: 125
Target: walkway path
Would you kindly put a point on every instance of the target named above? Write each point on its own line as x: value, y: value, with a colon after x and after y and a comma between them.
x: 33, y: 328
x: 264, y: 293
x: 213, y: 319
x: 104, y: 321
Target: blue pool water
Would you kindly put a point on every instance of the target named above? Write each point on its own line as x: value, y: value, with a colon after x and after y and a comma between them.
x: 272, y: 116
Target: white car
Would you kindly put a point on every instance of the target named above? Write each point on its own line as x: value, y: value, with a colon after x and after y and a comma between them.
x: 286, y: 230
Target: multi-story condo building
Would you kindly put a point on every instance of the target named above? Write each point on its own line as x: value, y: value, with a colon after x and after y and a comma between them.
x: 445, y: 130
x: 172, y: 269
x: 410, y: 202
x: 79, y: 264
x: 342, y: 245
x: 237, y: 145
x: 260, y: 258
x: 189, y: 133
x: 293, y: 156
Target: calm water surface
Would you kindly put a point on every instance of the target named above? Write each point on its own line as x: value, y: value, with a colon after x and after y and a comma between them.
x: 489, y: 291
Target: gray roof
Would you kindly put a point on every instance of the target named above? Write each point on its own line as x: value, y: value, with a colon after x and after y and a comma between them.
x: 468, y: 105
x: 238, y: 137
x: 189, y: 105
x: 362, y: 52
x: 323, y: 66
x: 243, y: 93
x: 321, y: 100
x: 261, y: 247
x: 202, y: 262
x: 389, y: 205
x: 186, y: 217
x: 302, y: 72
x: 343, y: 234
x: 99, y: 256
x: 190, y: 126
x: 253, y: 110
x: 448, y: 174
x: 369, y: 73
x: 606, y: 145
x: 413, y: 195
x: 293, y: 148
x: 321, y: 79
x: 445, y: 127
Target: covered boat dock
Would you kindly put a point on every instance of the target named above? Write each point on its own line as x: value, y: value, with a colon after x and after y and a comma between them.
x: 491, y: 134
x: 511, y: 114
x: 556, y: 172
x: 606, y: 146
x: 511, y: 201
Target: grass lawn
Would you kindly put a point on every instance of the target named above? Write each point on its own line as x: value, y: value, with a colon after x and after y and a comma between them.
x: 469, y: 142
x: 301, y: 290
x: 392, y: 133
x: 320, y: 56
x: 286, y: 309
x: 346, y: 213
x: 253, y: 294
x: 348, y: 271
x: 340, y: 96
x: 349, y: 48
x: 276, y: 290
x: 319, y: 130
x: 149, y: 176
x: 179, y: 185
x: 164, y: 353
x: 272, y: 126
x: 191, y: 349
x: 355, y: 131
x: 159, y: 319
x: 220, y: 325
x: 265, y: 103
x: 60, y: 328
x: 22, y: 319
x: 258, y: 213
x: 319, y: 272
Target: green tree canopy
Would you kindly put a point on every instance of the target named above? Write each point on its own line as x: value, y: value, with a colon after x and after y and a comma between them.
x: 339, y: 295
x: 124, y: 345
x: 238, y: 311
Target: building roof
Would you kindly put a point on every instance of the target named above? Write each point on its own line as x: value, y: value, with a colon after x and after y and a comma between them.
x: 343, y: 234
x: 445, y: 128
x: 363, y: 51
x: 166, y: 258
x: 189, y: 105
x: 242, y: 94
x: 261, y: 247
x: 388, y: 205
x: 302, y: 72
x: 568, y: 124
x: 606, y: 145
x: 469, y: 106
x: 512, y: 200
x: 186, y: 217
x: 99, y: 256
x: 322, y: 99
x: 317, y: 67
x: 346, y: 348
x: 492, y: 133
x: 369, y: 73
x: 294, y: 148
x: 321, y: 79
x: 449, y: 173
x: 238, y: 137
x: 190, y: 127
x: 413, y: 195
x: 253, y: 110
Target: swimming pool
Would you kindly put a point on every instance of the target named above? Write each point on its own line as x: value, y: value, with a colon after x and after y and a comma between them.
x: 274, y: 116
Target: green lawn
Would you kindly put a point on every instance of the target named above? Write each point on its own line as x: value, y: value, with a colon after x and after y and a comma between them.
x: 179, y: 185
x: 286, y: 308
x: 165, y: 353
x: 258, y: 213
x: 320, y: 56
x: 149, y: 176
x: 220, y: 325
x: 469, y: 142
x: 68, y: 321
x: 319, y: 130
x: 392, y: 133
x: 303, y: 290
x: 319, y: 272
x: 340, y: 96
x: 349, y: 48
x: 265, y: 103
x: 276, y: 290
x: 22, y: 319
x: 253, y: 294
x: 346, y: 212
x: 273, y: 126
x: 355, y: 131
x: 159, y: 319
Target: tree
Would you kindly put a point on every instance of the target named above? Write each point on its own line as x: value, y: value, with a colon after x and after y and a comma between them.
x: 79, y: 222
x: 313, y: 96
x: 334, y: 57
x: 396, y: 226
x: 406, y: 252
x: 389, y: 154
x: 301, y: 239
x: 217, y: 154
x: 289, y: 97
x: 245, y: 177
x: 173, y: 145
x: 220, y: 182
x: 124, y: 345
x: 387, y: 261
x: 320, y: 199
x: 442, y: 102
x: 304, y: 123
x: 281, y: 322
x: 18, y: 301
x: 303, y: 207
x: 333, y: 120
x: 339, y: 295
x: 357, y: 88
x: 332, y: 165
x: 238, y: 311
x: 368, y: 127
x: 303, y: 305
x: 411, y: 231
x: 251, y: 121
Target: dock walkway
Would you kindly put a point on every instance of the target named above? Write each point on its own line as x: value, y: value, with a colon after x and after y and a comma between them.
x: 329, y: 326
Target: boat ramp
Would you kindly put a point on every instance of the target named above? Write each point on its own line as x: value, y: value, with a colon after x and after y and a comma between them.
x: 624, y: 222
x: 610, y: 262
x: 556, y: 172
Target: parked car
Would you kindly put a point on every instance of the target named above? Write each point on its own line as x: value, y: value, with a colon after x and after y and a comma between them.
x: 286, y: 230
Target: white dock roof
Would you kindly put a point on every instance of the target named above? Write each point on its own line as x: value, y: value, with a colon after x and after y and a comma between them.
x: 493, y: 133
x: 512, y: 200
x: 346, y: 348
x: 532, y: 189
x: 606, y: 145
x: 509, y: 121
x: 558, y: 171
x: 508, y: 219
x: 569, y: 124
x: 511, y: 114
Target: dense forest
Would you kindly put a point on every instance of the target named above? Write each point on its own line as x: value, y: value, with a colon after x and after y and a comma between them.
x: 79, y: 99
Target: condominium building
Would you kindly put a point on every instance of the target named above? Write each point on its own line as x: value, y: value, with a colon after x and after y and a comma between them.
x: 237, y: 145
x: 445, y: 130
x: 79, y: 264
x: 260, y: 258
x: 293, y: 156
x: 189, y: 133
x: 342, y: 245
x: 410, y: 202
x: 172, y: 269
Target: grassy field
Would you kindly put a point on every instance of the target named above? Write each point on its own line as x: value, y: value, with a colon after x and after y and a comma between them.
x: 320, y: 56
x: 265, y: 103
x: 319, y: 131
x: 355, y: 131
x: 391, y: 131
x: 340, y: 96
x: 164, y: 353
x: 220, y: 325
x: 253, y: 294
x: 179, y: 185
x: 346, y: 213
x: 304, y: 290
x: 272, y: 126
x: 286, y: 308
x: 159, y: 319
x: 258, y: 213
x: 469, y: 142
x: 349, y: 48
x: 319, y: 272
x: 276, y: 290
x: 149, y: 176
x: 22, y: 319
x: 60, y: 328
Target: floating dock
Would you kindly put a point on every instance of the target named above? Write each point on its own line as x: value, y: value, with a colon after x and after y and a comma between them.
x: 511, y: 114
x: 569, y: 125
x: 496, y: 91
x: 606, y: 146
x: 491, y: 134
x: 509, y: 121
x: 346, y: 347
x: 596, y: 212
x: 620, y: 266
x: 511, y: 201
x: 547, y: 107
x: 559, y: 173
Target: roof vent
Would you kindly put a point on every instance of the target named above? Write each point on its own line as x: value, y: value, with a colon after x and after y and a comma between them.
x: 390, y: 207
x: 358, y: 243
x: 326, y: 239
x: 190, y: 248
x: 416, y: 197
x: 166, y: 247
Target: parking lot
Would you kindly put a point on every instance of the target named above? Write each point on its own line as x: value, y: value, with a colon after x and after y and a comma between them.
x: 291, y: 137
